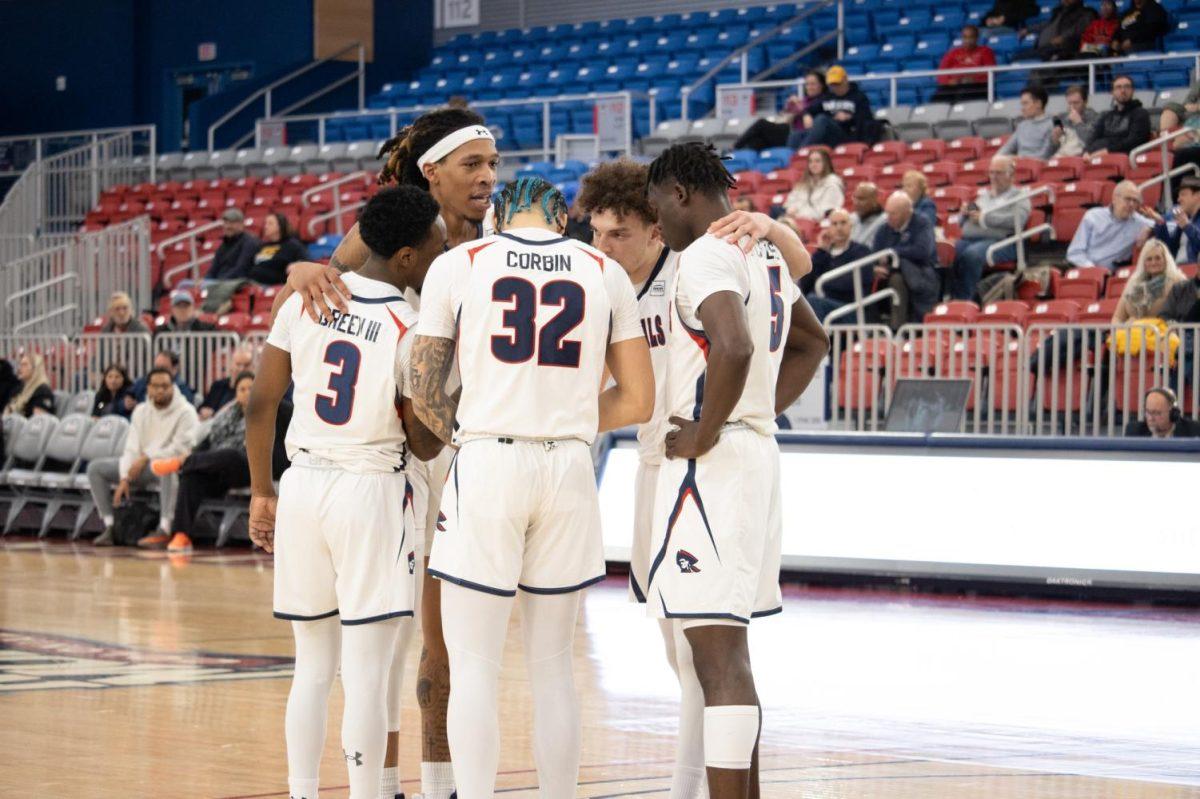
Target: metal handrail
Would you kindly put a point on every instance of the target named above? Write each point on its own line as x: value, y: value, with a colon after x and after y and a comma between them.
x: 1182, y: 169
x: 161, y: 247
x: 66, y: 134
x: 37, y: 320
x: 336, y: 213
x: 332, y: 184
x: 743, y: 51
x: 1161, y: 142
x: 1020, y: 235
x: 991, y: 71
x: 852, y: 268
x: 265, y: 91
x: 857, y: 307
x: 1019, y: 239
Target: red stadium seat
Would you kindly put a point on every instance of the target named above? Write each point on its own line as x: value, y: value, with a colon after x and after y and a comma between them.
x: 967, y: 148
x: 926, y: 151
x: 1110, y: 166
x: 849, y: 154
x: 1008, y: 312
x: 940, y: 173
x: 1083, y: 283
x: 748, y: 182
x: 1189, y: 269
x: 886, y: 152
x: 1065, y: 221
x: 235, y: 321
x: 945, y: 253
x: 956, y: 312
x: 1065, y: 169
x: 1099, y: 312
x: 951, y: 199
x: 1027, y: 169
x: 972, y: 173
x: 1054, y: 311
x: 857, y: 174
x: 1083, y: 194
x: 890, y: 176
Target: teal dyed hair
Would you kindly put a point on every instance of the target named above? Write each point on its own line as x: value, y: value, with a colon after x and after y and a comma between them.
x: 521, y: 195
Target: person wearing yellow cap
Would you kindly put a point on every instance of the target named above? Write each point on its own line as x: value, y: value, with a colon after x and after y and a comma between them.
x: 843, y: 113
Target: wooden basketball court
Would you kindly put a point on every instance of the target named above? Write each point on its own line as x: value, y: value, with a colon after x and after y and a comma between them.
x: 128, y: 674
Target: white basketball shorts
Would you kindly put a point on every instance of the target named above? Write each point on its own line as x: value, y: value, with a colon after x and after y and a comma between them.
x: 645, y: 488
x: 520, y: 514
x: 341, y: 546
x: 717, y: 532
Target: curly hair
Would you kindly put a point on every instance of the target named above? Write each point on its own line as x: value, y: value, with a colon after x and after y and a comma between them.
x: 617, y: 186
x: 403, y: 149
x: 695, y: 166
x: 397, y: 217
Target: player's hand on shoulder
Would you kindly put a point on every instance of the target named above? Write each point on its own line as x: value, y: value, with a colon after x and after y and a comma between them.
x: 320, y: 288
x: 742, y: 228
x: 685, y: 442
x: 262, y: 521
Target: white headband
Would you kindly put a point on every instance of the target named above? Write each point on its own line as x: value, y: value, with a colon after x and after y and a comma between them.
x: 452, y: 142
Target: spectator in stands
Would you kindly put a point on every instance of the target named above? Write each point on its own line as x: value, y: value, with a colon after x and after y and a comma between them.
x: 1181, y: 233
x: 916, y: 281
x: 1183, y: 305
x: 1192, y: 101
x: 970, y: 85
x: 120, y: 316
x: 183, y: 318
x: 984, y: 223
x: 1058, y: 38
x: 789, y: 130
x: 222, y: 391
x: 1106, y: 236
x: 842, y: 114
x: 161, y: 428
x: 1071, y: 133
x: 1171, y: 119
x: 835, y: 248
x: 1123, y: 127
x: 1097, y: 38
x: 235, y: 256
x: 1033, y: 137
x: 218, y: 462
x: 115, y: 386
x: 168, y: 360
x: 744, y: 203
x: 35, y: 394
x: 916, y: 186
x: 868, y: 213
x: 10, y: 385
x: 1163, y: 419
x: 819, y: 191
x: 1146, y: 293
x: 1142, y: 25
x: 1009, y: 15
x: 280, y: 249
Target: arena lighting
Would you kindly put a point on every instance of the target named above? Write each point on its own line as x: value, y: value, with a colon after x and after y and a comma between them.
x: 1089, y: 513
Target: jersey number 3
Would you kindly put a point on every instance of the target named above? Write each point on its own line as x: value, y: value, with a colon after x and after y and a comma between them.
x: 519, y: 345
x: 345, y: 358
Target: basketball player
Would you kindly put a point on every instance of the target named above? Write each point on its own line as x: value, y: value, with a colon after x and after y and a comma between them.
x: 532, y: 319
x: 342, y: 557
x: 625, y: 229
x: 450, y: 154
x: 741, y: 346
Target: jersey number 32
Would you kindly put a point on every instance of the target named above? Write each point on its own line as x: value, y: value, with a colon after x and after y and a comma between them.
x: 519, y: 345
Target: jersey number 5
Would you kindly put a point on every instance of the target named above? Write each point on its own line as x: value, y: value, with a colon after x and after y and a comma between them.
x: 776, y: 307
x: 345, y: 358
x: 518, y: 346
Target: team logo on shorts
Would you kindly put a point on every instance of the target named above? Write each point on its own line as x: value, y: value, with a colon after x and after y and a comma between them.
x: 687, y: 562
x: 441, y: 527
x: 412, y: 563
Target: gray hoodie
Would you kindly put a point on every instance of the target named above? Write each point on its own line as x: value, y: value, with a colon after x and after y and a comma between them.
x: 156, y: 433
x: 1032, y: 138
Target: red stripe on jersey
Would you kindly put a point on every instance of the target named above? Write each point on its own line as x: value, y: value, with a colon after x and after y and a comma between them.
x: 399, y: 324
x: 700, y: 341
x: 474, y: 250
x: 597, y: 258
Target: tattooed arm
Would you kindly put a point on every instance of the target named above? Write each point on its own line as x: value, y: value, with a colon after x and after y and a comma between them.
x: 432, y: 359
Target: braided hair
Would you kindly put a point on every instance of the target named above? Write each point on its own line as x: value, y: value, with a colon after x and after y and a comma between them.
x: 695, y: 166
x: 402, y: 150
x: 521, y: 194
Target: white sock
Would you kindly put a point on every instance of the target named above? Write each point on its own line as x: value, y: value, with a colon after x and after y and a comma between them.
x: 688, y: 783
x: 437, y: 780
x: 475, y: 625
x: 108, y: 521
x: 302, y: 789
x: 164, y: 525
x: 366, y: 660
x: 548, y: 629
x: 391, y: 783
x: 318, y: 649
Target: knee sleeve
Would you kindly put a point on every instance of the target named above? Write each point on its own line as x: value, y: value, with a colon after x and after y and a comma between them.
x: 730, y: 733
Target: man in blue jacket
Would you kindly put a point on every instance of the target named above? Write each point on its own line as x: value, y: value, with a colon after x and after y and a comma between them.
x: 917, y: 280
x: 835, y: 249
x: 1181, y: 233
x: 842, y: 114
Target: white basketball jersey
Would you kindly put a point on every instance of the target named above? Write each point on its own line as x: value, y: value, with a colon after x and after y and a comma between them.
x: 346, y: 400
x: 533, y: 314
x: 654, y: 306
x: 761, y: 279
